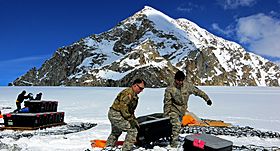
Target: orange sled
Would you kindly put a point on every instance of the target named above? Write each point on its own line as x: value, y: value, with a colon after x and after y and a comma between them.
x: 102, y: 143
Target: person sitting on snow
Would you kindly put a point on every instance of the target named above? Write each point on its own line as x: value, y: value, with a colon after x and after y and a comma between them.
x: 38, y: 96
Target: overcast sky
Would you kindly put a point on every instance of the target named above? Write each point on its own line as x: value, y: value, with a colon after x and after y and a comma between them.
x: 32, y: 30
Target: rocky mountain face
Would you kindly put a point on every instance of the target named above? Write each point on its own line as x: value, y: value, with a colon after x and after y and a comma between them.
x: 153, y: 46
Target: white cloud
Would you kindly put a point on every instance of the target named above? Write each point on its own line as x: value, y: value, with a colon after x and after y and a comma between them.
x: 233, y: 4
x: 183, y: 9
x: 228, y: 31
x: 188, y: 7
x: 24, y: 59
x: 273, y: 13
x: 261, y: 33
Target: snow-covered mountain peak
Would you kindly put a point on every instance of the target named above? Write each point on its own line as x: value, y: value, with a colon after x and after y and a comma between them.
x: 153, y: 46
x: 155, y: 15
x: 161, y: 21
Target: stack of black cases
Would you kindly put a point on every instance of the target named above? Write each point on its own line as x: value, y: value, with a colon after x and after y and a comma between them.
x: 41, y: 114
x: 206, y: 142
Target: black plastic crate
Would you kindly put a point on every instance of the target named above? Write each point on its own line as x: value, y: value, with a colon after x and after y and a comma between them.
x: 23, y: 120
x: 52, y: 106
x: 206, y: 142
x: 8, y: 120
x: 52, y: 117
x: 36, y: 106
x: 152, y: 128
x: 55, y: 104
x: 46, y: 117
x: 33, y: 119
x: 60, y: 117
x: 55, y: 117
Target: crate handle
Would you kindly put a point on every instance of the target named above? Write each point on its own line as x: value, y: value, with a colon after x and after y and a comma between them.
x: 198, y: 143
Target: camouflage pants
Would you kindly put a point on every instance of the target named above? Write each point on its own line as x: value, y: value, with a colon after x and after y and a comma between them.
x: 119, y: 125
x: 176, y: 126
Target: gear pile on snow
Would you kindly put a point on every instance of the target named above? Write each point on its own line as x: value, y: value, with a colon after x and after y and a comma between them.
x: 231, y: 131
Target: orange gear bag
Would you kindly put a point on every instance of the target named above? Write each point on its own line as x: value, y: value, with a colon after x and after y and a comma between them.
x: 188, y: 119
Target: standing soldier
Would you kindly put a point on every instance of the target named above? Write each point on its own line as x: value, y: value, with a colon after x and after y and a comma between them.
x: 176, y: 102
x: 122, y: 117
x: 20, y: 99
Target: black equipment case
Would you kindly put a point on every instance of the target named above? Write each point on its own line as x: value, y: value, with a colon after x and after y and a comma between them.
x: 206, y: 142
x: 38, y: 106
x: 152, y: 128
x: 38, y: 114
x: 33, y: 119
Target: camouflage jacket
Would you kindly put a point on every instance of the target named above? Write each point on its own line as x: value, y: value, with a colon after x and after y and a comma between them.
x: 126, y: 103
x: 176, y: 100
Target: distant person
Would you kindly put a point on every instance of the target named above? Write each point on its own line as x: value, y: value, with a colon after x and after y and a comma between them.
x: 176, y: 102
x: 21, y: 97
x: 122, y: 117
x: 38, y: 96
x: 30, y: 96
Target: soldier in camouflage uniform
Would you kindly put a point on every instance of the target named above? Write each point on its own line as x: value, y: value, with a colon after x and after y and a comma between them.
x: 176, y: 102
x: 122, y: 118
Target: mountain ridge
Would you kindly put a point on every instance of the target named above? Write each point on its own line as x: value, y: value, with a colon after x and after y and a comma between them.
x: 151, y: 45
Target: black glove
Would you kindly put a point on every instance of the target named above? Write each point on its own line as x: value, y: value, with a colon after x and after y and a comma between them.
x: 134, y: 124
x: 209, y: 102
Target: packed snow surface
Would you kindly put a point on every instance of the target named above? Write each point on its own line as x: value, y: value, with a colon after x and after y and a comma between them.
x: 257, y: 107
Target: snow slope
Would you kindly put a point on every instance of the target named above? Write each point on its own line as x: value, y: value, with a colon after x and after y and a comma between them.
x: 256, y: 107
